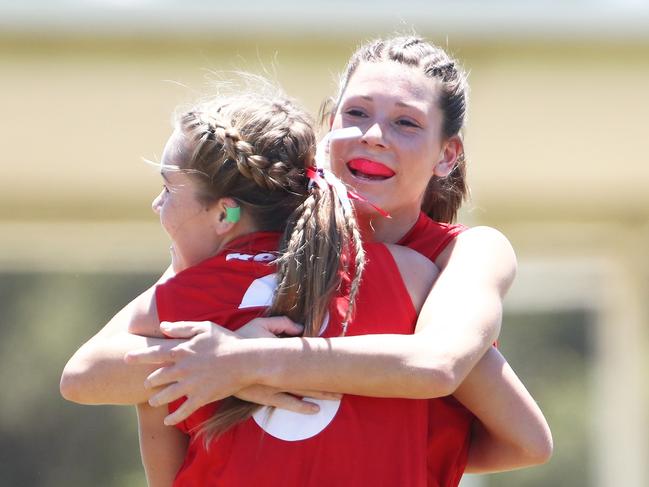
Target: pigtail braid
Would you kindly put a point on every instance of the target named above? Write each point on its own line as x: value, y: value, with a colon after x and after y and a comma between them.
x: 359, y: 267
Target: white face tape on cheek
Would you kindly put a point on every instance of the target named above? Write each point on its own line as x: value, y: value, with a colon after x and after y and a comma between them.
x: 322, y: 154
x: 346, y: 133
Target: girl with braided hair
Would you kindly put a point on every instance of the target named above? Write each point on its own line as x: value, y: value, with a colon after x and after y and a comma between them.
x: 238, y: 171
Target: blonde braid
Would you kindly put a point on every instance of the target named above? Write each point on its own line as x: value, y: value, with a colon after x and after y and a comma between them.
x: 265, y: 173
x: 287, y: 281
x: 359, y: 267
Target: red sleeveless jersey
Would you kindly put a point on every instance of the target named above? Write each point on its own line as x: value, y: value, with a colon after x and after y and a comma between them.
x: 449, y: 423
x: 354, y: 441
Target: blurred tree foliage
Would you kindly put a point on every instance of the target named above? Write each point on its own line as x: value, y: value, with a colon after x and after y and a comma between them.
x: 44, y: 440
x: 47, y: 442
x: 552, y: 353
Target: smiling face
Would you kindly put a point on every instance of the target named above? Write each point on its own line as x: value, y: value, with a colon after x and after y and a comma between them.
x: 188, y: 221
x: 402, y: 145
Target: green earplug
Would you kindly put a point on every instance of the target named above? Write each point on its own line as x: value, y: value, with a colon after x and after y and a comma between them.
x: 233, y: 214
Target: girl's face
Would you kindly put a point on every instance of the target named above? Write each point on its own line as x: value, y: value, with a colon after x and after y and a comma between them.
x: 187, y: 221
x: 395, y: 107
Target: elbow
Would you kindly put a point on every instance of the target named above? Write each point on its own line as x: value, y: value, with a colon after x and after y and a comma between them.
x: 540, y: 451
x: 438, y: 380
x: 451, y: 374
x: 69, y: 387
x: 450, y: 380
x: 543, y: 452
x: 73, y: 385
x: 437, y: 375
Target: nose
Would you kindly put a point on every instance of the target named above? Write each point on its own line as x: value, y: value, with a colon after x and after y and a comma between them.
x: 374, y: 136
x: 156, y: 204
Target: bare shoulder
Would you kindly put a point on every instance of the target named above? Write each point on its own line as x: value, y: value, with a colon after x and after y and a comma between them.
x: 484, y: 253
x: 417, y: 271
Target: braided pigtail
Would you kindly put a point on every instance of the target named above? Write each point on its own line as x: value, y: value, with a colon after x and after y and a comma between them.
x: 320, y: 242
x: 258, y: 152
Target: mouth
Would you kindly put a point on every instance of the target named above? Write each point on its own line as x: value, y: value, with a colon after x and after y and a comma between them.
x: 369, y: 170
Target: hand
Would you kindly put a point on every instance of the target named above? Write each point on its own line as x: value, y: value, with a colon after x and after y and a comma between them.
x: 269, y: 396
x: 270, y: 327
x: 209, y: 348
x: 193, y: 362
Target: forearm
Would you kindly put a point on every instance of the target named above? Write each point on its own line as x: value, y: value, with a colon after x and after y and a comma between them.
x: 511, y: 431
x: 491, y: 453
x: 370, y: 365
x: 162, y: 448
x: 433, y: 362
x: 97, y: 374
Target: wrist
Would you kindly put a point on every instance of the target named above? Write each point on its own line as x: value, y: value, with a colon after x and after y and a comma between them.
x: 266, y: 359
x: 254, y: 360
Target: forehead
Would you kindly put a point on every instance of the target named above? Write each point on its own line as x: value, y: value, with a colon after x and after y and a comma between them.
x: 174, y: 150
x: 406, y: 83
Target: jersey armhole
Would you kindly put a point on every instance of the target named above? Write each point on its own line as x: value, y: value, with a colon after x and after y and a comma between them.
x: 391, y: 268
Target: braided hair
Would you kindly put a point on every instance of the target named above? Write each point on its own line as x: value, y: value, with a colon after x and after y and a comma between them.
x: 255, y: 149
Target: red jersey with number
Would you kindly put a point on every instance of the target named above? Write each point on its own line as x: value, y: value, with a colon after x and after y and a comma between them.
x: 354, y: 441
x: 449, y: 425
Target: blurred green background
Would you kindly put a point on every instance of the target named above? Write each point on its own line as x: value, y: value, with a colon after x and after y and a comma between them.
x: 557, y: 147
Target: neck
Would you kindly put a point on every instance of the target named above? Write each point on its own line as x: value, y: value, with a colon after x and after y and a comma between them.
x: 244, y: 227
x: 376, y: 228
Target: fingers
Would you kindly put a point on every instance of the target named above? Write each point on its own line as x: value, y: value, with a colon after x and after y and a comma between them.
x: 162, y: 377
x: 330, y: 396
x: 157, y: 354
x: 279, y: 325
x: 294, y: 404
x: 183, y: 412
x: 166, y: 395
x: 270, y: 327
x: 185, y: 329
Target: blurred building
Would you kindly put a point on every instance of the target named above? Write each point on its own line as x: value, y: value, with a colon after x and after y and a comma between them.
x: 557, y: 146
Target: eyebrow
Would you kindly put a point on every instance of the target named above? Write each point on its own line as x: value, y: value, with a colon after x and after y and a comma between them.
x: 164, y: 176
x: 399, y: 103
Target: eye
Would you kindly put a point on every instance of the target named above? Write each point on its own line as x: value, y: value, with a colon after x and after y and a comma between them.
x: 406, y: 122
x: 165, y: 188
x: 355, y: 112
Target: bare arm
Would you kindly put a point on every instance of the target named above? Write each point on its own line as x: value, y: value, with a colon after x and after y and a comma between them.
x: 511, y: 432
x: 97, y: 374
x: 458, y: 322
x: 451, y: 336
x: 163, y: 448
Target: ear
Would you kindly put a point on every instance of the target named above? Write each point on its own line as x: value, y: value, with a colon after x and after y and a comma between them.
x: 451, y: 150
x: 226, y: 215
